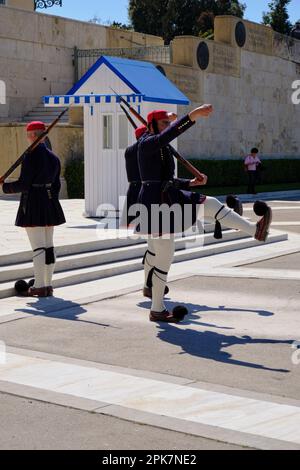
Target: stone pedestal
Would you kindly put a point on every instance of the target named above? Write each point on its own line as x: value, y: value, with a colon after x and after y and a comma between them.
x: 240, y: 33
x: 206, y: 55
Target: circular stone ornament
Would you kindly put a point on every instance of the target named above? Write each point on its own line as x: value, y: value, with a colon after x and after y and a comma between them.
x: 203, y: 55
x: 240, y: 34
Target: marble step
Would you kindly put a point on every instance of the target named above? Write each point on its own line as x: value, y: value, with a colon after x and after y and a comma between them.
x: 79, y: 275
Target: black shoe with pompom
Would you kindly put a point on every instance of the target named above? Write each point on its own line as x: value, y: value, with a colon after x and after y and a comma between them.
x: 233, y: 202
x: 261, y: 209
x: 176, y: 316
x: 21, y: 287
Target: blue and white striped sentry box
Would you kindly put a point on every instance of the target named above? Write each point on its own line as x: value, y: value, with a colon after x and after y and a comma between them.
x: 82, y: 100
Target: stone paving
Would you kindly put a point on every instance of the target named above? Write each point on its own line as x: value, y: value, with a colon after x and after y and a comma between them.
x: 227, y: 377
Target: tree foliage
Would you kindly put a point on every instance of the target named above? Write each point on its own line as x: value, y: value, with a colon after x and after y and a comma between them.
x: 170, y: 18
x: 278, y: 16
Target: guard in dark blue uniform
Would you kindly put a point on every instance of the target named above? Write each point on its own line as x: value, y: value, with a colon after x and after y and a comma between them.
x: 159, y: 185
x: 39, y: 210
x: 133, y: 176
x: 130, y: 206
x: 168, y: 207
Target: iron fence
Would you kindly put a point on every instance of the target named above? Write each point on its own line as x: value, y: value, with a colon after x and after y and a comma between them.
x: 46, y: 3
x: 85, y: 58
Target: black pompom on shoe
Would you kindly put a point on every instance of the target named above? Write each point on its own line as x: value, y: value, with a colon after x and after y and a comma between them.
x: 234, y: 203
x: 260, y: 208
x: 264, y: 211
x: 180, y: 312
x: 31, y: 283
x: 21, y: 287
x: 231, y: 201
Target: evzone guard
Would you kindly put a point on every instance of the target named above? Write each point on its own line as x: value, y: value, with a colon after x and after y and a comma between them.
x: 158, y: 187
x: 39, y: 210
x: 135, y: 184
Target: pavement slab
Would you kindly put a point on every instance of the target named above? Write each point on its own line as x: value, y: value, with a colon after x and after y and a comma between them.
x: 87, y: 366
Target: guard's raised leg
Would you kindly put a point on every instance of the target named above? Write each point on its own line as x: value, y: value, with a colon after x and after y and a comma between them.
x: 227, y: 217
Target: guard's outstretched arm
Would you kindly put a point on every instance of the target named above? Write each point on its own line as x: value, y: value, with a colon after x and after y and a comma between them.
x: 158, y: 141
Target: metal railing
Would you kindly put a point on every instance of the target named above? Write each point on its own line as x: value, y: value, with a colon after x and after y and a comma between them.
x: 85, y: 58
x: 46, y: 3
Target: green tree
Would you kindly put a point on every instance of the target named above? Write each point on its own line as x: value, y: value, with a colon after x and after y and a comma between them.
x: 212, y: 8
x: 278, y: 16
x: 170, y: 18
x: 147, y: 16
x: 114, y: 24
x: 117, y: 25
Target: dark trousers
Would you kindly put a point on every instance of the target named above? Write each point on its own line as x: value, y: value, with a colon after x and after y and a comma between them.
x: 252, y: 179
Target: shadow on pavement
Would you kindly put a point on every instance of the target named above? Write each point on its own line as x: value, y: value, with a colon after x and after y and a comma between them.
x: 197, y: 308
x: 58, y: 308
x: 209, y: 344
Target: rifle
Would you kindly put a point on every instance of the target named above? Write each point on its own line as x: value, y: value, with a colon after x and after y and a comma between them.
x: 31, y: 147
x: 196, y: 173
x: 129, y: 117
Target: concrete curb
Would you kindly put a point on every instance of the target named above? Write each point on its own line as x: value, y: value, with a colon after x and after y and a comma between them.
x: 269, y: 196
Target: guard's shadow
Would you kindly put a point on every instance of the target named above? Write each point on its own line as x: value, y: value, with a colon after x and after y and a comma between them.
x: 61, y: 309
x: 210, y: 344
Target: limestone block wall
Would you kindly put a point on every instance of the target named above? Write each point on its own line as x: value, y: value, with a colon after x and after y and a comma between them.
x: 21, y: 4
x: 36, y: 55
x: 250, y: 87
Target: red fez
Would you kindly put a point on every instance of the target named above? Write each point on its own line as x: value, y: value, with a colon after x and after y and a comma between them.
x: 36, y: 126
x: 157, y: 115
x: 140, y: 131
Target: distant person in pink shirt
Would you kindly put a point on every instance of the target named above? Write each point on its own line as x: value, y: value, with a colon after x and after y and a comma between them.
x: 251, y: 163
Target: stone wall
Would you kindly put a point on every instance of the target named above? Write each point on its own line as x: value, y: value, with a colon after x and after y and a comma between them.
x: 250, y: 87
x: 36, y: 55
x: 249, y: 84
x: 21, y: 4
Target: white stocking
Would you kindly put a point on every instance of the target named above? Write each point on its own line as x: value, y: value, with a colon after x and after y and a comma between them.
x: 49, y: 267
x: 164, y: 254
x: 37, y: 240
x: 149, y: 259
x: 228, y: 217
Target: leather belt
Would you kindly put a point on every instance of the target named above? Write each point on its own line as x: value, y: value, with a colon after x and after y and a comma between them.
x: 46, y: 186
x: 152, y: 181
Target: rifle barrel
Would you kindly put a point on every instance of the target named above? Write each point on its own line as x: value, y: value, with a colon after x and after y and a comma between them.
x: 32, y: 147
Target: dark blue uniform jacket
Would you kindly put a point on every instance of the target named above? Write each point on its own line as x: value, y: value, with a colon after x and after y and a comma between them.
x: 134, y: 180
x: 159, y: 185
x: 39, y: 184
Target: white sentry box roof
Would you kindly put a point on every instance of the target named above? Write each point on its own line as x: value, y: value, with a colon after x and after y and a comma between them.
x: 106, y: 130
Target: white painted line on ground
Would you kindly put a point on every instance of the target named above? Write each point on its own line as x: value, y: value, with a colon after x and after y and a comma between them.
x: 184, y: 402
x: 286, y: 223
x: 277, y: 208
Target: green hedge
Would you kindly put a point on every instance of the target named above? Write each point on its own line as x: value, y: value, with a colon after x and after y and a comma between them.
x: 220, y: 173
x: 74, y: 176
x: 231, y: 172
